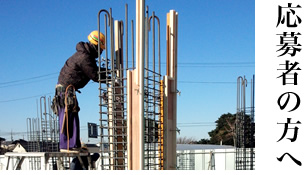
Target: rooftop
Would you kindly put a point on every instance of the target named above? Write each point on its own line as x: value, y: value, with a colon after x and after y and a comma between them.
x: 181, y: 147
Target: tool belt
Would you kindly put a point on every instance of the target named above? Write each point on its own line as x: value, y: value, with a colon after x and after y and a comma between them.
x: 64, y: 97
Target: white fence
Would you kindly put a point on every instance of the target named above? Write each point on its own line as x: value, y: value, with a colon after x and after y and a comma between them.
x: 197, y: 159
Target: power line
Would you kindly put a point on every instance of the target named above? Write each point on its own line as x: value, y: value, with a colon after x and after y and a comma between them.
x: 183, y: 64
x: 209, y: 63
x: 209, y: 66
x: 18, y: 84
x: 218, y: 63
x: 24, y: 98
x: 186, y: 64
x: 188, y: 82
x: 198, y: 123
x: 31, y: 78
x: 195, y: 126
x: 207, y: 82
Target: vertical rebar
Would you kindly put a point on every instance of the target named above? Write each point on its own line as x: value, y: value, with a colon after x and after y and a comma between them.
x: 252, y: 126
x: 244, y: 122
x: 111, y: 44
x: 140, y: 78
x: 243, y: 126
x: 107, y: 85
x: 146, y: 90
x: 99, y: 77
x: 159, y: 48
x: 39, y: 131
x: 126, y: 34
x: 146, y: 43
x: 43, y: 124
x: 153, y: 42
x: 111, y: 138
x: 37, y: 114
x: 28, y: 129
x: 154, y: 84
x: 238, y: 125
x: 132, y: 43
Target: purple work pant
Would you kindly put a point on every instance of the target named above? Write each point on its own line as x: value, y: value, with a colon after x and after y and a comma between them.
x: 73, y: 130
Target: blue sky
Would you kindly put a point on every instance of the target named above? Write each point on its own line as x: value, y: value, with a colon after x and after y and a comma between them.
x: 215, y: 44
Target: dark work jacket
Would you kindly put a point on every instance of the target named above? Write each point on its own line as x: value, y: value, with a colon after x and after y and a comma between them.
x: 81, y: 67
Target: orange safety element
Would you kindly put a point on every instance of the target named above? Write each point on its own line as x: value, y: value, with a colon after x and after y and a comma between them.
x: 161, y: 126
x: 93, y: 39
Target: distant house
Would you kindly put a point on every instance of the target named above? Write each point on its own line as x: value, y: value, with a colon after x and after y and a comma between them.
x: 7, y: 146
x: 20, y: 148
x: 14, y: 146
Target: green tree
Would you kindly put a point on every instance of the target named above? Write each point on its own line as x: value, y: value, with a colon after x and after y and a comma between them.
x: 203, y: 141
x: 225, y: 130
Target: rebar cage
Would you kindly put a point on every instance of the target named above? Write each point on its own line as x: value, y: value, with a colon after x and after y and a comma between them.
x: 152, y: 114
x: 113, y: 99
x: 114, y: 123
x: 244, y: 128
x: 43, y: 134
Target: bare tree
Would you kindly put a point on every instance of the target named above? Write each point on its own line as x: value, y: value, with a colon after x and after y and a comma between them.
x: 186, y: 140
x: 231, y: 130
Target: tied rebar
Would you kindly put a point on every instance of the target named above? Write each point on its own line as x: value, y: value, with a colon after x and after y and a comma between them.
x: 43, y: 133
x: 113, y: 97
x: 244, y: 127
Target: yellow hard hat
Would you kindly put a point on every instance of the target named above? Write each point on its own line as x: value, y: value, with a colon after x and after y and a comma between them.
x: 93, y: 39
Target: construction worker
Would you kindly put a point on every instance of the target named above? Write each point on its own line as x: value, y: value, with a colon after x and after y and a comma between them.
x: 78, y: 70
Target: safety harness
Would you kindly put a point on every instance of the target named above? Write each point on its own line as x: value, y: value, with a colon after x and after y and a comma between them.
x: 69, y: 102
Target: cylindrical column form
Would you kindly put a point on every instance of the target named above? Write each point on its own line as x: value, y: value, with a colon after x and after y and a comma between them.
x: 140, y: 40
x: 170, y: 96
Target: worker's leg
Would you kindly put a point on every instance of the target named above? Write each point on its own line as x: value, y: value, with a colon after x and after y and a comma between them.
x: 74, y: 131
x: 62, y: 136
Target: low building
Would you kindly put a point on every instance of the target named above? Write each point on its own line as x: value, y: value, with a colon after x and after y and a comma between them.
x: 205, y: 157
